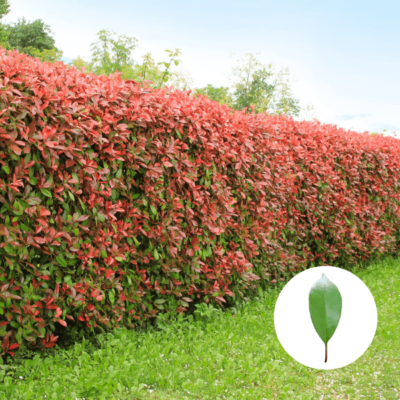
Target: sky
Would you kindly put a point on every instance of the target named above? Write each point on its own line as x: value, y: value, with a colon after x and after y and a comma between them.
x: 344, y: 55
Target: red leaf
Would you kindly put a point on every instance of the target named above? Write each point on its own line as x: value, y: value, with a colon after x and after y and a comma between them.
x: 13, y: 346
x: 46, y: 278
x: 4, y: 231
x: 30, y: 164
x: 62, y: 322
x: 16, y: 149
x: 3, y: 323
x: 4, y: 343
x: 70, y: 163
x: 44, y: 212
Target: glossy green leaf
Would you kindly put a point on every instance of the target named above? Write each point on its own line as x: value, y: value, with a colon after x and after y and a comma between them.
x: 61, y: 261
x: 111, y: 296
x: 45, y: 192
x: 325, y: 303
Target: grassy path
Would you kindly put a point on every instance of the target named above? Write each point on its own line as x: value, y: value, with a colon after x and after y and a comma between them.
x: 231, y: 355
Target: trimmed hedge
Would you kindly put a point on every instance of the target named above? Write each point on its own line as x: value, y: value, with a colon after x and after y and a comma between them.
x: 119, y: 201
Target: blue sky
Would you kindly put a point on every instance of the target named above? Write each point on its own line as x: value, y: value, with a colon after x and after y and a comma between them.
x: 345, y: 55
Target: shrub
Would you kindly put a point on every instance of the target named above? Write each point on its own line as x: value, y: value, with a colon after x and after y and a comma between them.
x: 119, y: 201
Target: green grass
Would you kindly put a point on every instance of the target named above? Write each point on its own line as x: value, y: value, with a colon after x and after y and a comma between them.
x: 233, y: 354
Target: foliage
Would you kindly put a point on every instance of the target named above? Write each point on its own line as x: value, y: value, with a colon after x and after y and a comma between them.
x: 111, y: 54
x: 219, y: 94
x: 181, y: 80
x: 33, y: 38
x: 167, y: 74
x: 149, y: 71
x: 262, y: 88
x: 307, y: 112
x: 120, y: 201
x: 257, y: 88
x: 4, y: 10
x: 80, y: 63
x: 45, y: 55
x: 232, y: 354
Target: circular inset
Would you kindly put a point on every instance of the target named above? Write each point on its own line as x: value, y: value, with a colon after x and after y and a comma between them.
x: 325, y: 313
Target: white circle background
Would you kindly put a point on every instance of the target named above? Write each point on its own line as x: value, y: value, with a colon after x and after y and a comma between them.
x: 357, y: 324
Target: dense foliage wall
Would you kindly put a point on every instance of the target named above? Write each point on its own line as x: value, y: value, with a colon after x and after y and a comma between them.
x: 119, y: 201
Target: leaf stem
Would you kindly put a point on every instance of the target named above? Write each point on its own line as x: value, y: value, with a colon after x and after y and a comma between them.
x: 326, y: 352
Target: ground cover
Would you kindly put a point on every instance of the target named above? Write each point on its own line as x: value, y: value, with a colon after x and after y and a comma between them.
x: 232, y: 354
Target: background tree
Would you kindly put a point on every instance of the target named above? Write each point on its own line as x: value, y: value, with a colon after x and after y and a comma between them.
x: 33, y: 38
x: 4, y: 10
x: 148, y: 70
x: 220, y: 94
x: 182, y: 80
x: 113, y: 53
x: 263, y: 87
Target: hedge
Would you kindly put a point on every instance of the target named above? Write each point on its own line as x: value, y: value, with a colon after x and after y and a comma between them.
x: 119, y: 202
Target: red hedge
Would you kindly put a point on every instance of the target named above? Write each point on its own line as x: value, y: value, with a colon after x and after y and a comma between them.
x: 119, y: 201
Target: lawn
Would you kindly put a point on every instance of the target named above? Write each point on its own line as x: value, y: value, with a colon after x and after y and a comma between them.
x: 233, y: 354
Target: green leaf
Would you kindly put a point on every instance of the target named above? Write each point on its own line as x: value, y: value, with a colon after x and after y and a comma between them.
x: 82, y: 205
x: 61, y: 261
x: 160, y: 301
x: 14, y: 324
x: 45, y: 192
x: 325, y: 304
x: 101, y: 217
x: 71, y: 195
x: 111, y: 296
x: 153, y: 210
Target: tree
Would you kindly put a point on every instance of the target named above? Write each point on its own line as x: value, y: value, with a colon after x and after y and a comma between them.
x: 220, y: 94
x: 111, y: 54
x: 33, y: 38
x: 4, y: 10
x: 148, y: 70
x: 262, y: 87
x: 80, y: 63
x: 182, y: 80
